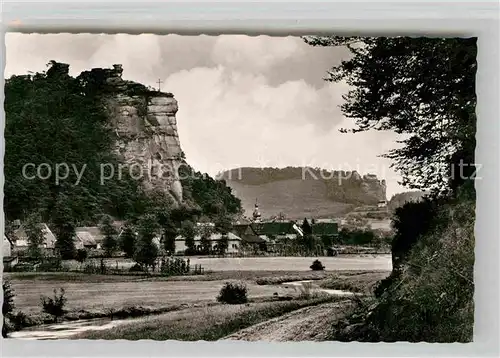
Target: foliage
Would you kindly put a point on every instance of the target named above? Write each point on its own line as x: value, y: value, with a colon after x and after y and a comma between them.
x: 212, y: 196
x: 35, y: 234
x: 174, y: 266
x: 410, y: 222
x: 58, y: 121
x: 306, y: 227
x: 188, y: 231
x: 110, y: 242
x: 64, y: 228
x: 92, y: 268
x: 54, y: 306
x: 146, y: 251
x: 81, y: 255
x: 432, y: 297
x: 356, y: 237
x: 422, y: 88
x: 8, y: 305
x: 50, y: 264
x: 222, y: 245
x: 52, y: 119
x: 233, y: 293
x: 128, y: 241
x: 205, y: 240
x: 317, y: 266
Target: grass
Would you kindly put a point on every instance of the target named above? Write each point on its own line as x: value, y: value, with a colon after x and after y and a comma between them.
x: 362, y: 282
x: 207, y: 323
x: 98, y: 293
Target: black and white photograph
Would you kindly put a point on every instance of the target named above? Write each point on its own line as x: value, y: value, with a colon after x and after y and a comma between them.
x: 239, y: 188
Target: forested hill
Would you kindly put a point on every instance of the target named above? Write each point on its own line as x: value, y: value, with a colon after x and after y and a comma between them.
x: 58, y: 122
x: 303, y: 192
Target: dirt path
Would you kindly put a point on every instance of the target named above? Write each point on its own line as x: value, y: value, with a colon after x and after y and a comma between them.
x: 306, y: 324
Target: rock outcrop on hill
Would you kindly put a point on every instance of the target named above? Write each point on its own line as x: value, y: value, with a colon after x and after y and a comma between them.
x: 146, y: 128
x: 304, y: 192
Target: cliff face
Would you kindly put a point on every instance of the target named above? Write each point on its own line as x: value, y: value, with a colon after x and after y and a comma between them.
x: 146, y: 128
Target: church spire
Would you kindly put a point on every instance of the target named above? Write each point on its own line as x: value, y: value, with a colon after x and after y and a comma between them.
x: 256, y: 212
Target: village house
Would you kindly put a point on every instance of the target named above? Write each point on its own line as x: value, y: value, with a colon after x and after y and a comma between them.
x: 89, y: 238
x: 233, y: 245
x: 20, y: 243
x: 7, y: 247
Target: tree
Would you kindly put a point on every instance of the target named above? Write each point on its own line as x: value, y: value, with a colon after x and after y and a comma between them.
x: 222, y: 244
x: 110, y: 242
x: 146, y: 250
x: 64, y: 228
x: 54, y: 306
x: 421, y: 88
x: 223, y: 223
x: 81, y: 255
x: 35, y: 234
x: 188, y: 231
x: 51, y: 118
x: 306, y: 227
x: 128, y: 241
x: 205, y: 240
x: 8, y: 304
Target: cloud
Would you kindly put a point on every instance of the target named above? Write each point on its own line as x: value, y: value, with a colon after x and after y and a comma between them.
x: 243, y: 101
x: 253, y: 54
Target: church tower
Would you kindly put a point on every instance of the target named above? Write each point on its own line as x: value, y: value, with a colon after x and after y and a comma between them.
x: 256, y: 213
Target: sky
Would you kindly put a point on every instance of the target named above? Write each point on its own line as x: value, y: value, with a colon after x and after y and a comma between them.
x: 243, y: 101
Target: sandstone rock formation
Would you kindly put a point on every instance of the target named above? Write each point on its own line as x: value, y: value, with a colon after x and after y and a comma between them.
x: 304, y: 192
x: 146, y: 128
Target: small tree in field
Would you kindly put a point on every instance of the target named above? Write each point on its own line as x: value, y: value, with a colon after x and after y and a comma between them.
x: 233, y: 293
x: 54, y: 306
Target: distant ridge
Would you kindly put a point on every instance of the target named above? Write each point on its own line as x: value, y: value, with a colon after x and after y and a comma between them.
x: 300, y: 192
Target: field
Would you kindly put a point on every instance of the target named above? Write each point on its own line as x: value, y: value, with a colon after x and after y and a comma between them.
x: 121, y: 292
x: 189, y: 299
x: 342, y: 262
x: 370, y: 262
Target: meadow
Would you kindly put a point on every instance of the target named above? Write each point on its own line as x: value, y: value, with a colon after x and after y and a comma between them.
x: 170, y: 305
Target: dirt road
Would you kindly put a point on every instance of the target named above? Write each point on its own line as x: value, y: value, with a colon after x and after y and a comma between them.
x: 306, y: 324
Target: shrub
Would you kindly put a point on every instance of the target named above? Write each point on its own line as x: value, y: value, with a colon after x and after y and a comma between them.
x: 19, y: 320
x: 50, y: 265
x: 233, y: 293
x: 317, y: 266
x: 54, y: 306
x: 81, y: 255
x: 7, y: 305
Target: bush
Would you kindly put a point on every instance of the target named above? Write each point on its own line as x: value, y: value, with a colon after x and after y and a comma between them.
x: 317, y: 266
x: 81, y: 255
x: 233, y: 293
x: 50, y: 265
x: 430, y: 297
x: 7, y: 305
x: 54, y: 306
x: 19, y: 320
